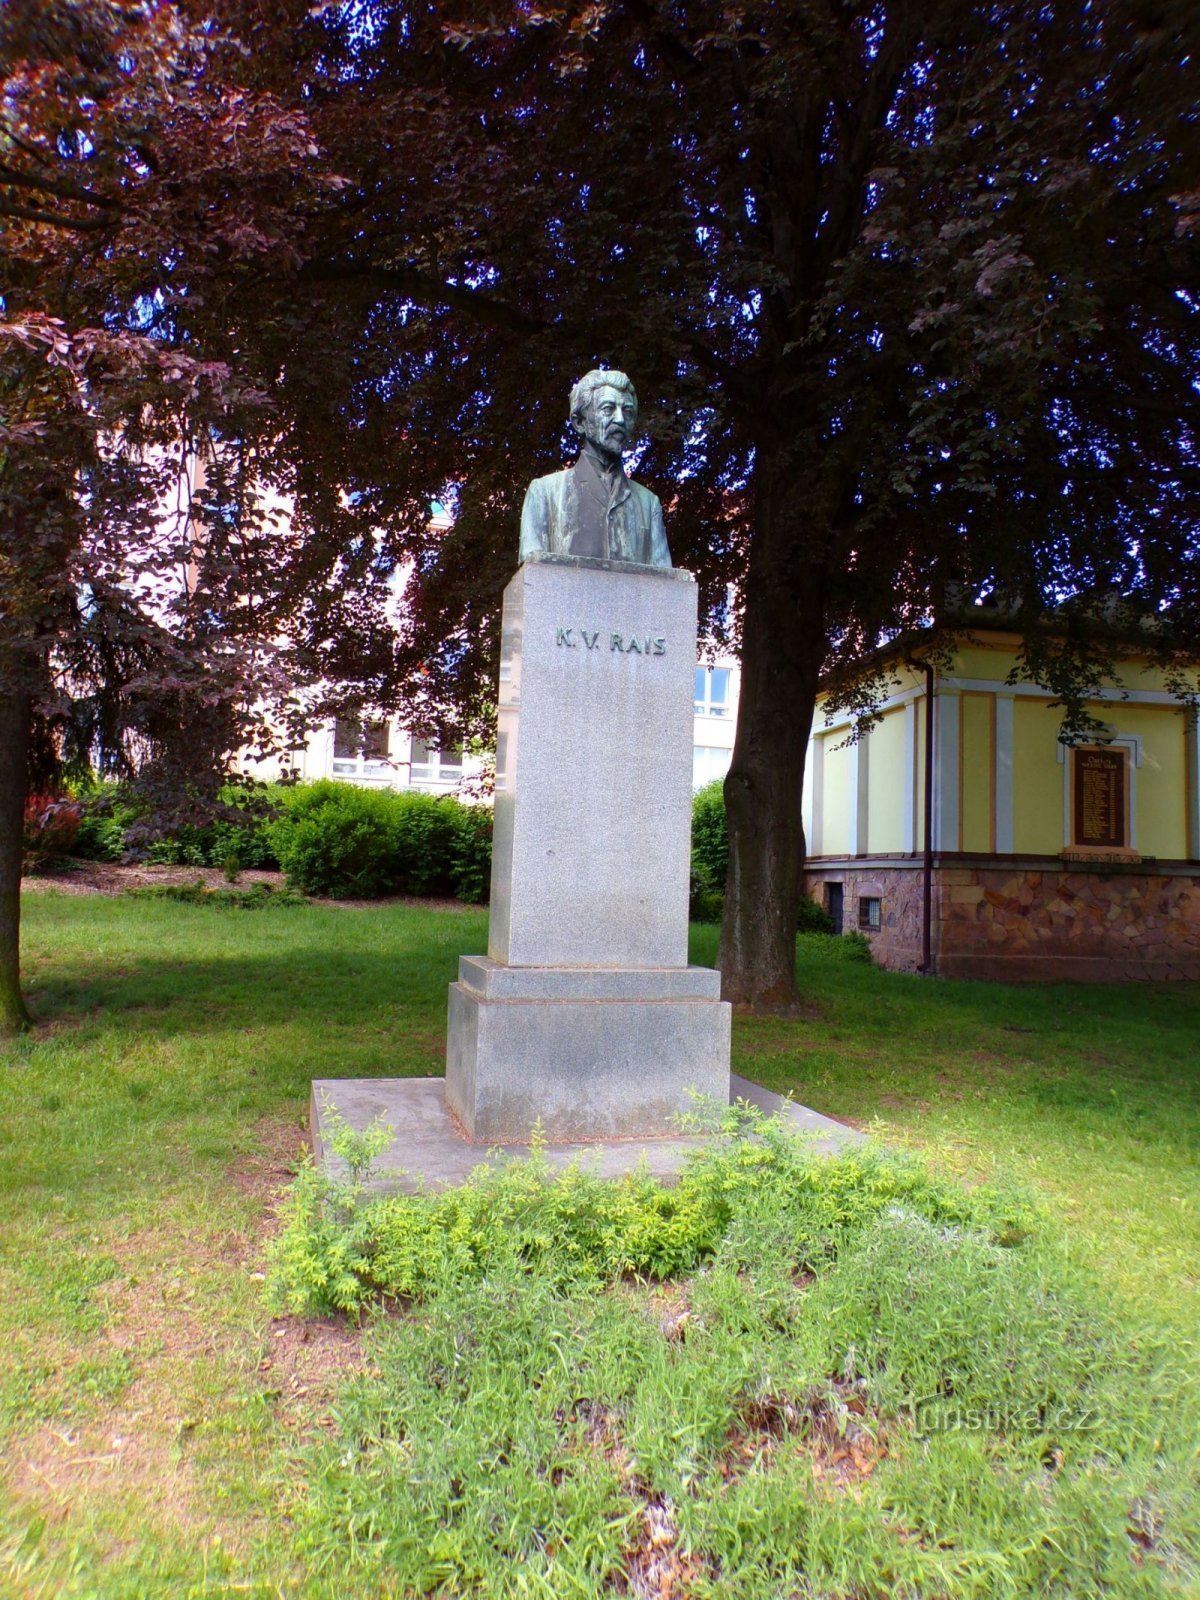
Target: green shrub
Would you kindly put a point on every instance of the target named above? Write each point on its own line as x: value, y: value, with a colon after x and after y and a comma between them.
x: 339, y: 1248
x: 108, y: 815
x: 857, y: 946
x: 812, y: 918
x: 337, y: 840
x: 710, y: 840
x: 710, y: 864
x: 184, y: 848
x: 471, y: 860
x: 705, y: 903
x: 424, y: 832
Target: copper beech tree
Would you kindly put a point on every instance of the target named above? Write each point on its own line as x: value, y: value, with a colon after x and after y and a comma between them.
x: 909, y: 294
x: 135, y: 172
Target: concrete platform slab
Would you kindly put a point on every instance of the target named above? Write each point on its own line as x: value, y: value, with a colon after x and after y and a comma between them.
x: 429, y: 1151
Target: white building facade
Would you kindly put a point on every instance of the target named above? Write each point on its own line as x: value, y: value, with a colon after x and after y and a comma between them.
x: 378, y: 752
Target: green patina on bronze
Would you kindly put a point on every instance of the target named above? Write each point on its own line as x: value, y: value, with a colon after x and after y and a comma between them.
x: 592, y: 510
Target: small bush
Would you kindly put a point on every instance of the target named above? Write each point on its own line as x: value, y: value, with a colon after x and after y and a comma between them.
x: 705, y: 903
x: 710, y: 851
x: 340, y: 1248
x: 812, y: 918
x: 336, y: 840
x: 51, y: 826
x: 471, y: 859
x: 424, y: 830
x: 101, y: 835
x: 857, y: 946
x: 100, y: 838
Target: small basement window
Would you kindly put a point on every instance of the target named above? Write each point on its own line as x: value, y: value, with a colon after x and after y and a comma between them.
x: 870, y: 908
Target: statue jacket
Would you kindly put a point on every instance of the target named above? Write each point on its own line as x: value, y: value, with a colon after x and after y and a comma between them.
x: 550, y: 518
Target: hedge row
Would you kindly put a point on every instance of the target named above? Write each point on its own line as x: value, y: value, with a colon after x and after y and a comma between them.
x: 329, y: 838
x: 112, y: 826
x: 339, y: 840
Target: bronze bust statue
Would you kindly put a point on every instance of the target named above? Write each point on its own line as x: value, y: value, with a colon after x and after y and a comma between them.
x: 592, y: 509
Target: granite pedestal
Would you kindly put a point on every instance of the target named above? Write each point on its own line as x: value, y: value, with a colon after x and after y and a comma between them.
x: 586, y: 1017
x: 427, y: 1151
x: 590, y: 1052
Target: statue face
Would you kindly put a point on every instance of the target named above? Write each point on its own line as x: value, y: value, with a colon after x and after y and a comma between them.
x: 609, y: 419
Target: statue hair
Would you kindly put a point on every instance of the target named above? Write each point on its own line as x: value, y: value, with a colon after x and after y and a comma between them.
x: 599, y: 378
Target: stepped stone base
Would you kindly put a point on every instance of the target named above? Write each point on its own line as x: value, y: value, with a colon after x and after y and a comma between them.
x: 429, y: 1152
x: 589, y: 1052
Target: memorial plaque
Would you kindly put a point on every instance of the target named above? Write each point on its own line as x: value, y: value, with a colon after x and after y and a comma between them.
x: 1099, y: 789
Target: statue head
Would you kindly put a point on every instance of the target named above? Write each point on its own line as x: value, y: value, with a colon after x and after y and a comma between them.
x: 604, y: 410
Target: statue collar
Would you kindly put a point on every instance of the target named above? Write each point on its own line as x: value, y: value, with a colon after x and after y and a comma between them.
x: 602, y: 472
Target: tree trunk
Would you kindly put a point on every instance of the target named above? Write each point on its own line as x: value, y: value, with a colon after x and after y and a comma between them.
x: 14, y: 749
x: 783, y: 647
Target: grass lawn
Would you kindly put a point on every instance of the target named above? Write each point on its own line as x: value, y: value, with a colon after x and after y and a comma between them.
x: 163, y: 1433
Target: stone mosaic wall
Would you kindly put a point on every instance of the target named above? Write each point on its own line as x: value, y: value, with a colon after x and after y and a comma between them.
x: 1030, y: 923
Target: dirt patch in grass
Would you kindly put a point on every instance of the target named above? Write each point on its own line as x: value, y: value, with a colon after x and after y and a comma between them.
x: 303, y: 1360
x: 657, y: 1569
x: 112, y: 878
x: 264, y: 1174
x: 306, y: 1363
x: 191, y: 1371
x: 832, y: 1424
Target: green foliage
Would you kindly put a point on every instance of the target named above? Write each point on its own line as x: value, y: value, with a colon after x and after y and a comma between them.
x: 106, y: 818
x: 258, y: 897
x: 857, y: 947
x: 440, y: 846
x: 109, y: 814
x: 570, y: 1225
x: 335, y: 839
x: 812, y: 917
x: 471, y: 854
x: 359, y: 1151
x: 705, y: 903
x: 862, y: 1381
x: 710, y: 853
x: 217, y: 843
x: 710, y: 863
x: 339, y: 840
x: 331, y: 839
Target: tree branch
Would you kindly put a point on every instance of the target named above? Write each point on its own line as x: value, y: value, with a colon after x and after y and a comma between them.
x: 71, y: 225
x: 63, y: 191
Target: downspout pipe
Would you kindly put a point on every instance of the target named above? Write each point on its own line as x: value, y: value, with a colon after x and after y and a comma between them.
x: 926, y: 966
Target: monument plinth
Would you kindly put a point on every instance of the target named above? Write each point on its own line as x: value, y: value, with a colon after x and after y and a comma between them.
x: 586, y: 1014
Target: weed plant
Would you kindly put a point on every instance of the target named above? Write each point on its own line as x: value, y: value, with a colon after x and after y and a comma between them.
x: 853, y: 1379
x: 339, y: 1249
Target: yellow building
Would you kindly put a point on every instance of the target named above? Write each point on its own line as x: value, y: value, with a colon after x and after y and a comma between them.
x: 1041, y: 859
